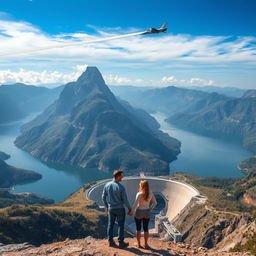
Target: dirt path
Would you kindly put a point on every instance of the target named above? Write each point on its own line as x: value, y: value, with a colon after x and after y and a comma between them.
x: 90, y: 247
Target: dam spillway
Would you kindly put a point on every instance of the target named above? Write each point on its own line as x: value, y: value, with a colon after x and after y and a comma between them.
x: 176, y: 194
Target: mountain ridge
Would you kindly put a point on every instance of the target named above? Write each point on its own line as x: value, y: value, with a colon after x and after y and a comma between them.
x: 231, y: 117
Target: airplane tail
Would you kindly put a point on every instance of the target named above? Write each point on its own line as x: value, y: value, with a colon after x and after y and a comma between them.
x: 164, y: 25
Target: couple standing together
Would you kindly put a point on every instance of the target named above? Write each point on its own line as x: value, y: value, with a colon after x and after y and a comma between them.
x: 115, y: 199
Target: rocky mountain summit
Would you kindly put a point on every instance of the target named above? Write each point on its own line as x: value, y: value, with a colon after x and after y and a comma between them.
x: 91, y: 247
x: 88, y: 127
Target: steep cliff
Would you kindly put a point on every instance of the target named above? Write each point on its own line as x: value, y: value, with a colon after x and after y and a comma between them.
x: 207, y: 227
x: 226, y: 219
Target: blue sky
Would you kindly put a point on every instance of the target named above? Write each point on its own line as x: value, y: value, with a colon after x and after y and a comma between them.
x: 209, y: 42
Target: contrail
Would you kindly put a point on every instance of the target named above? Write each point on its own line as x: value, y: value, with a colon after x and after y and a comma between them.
x: 69, y: 44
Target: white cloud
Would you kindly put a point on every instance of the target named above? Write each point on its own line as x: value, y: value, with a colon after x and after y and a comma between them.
x: 171, y: 80
x: 121, y: 80
x: 16, y: 36
x: 38, y: 78
x: 117, y: 80
x: 201, y: 82
x: 141, y: 53
x: 57, y: 78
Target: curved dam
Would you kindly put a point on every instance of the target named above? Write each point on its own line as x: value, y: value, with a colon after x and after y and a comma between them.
x: 174, y: 195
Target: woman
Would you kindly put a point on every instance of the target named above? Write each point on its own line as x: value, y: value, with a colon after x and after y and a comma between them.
x: 143, y: 205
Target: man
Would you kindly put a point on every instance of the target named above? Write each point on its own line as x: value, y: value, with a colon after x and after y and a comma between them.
x: 115, y: 198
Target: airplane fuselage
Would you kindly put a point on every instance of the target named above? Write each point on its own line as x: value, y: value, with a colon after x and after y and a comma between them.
x: 155, y: 30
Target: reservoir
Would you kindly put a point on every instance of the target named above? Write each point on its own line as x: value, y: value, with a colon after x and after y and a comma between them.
x: 200, y: 155
x: 205, y: 156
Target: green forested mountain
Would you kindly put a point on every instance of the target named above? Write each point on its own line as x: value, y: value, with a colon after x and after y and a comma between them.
x: 234, y: 117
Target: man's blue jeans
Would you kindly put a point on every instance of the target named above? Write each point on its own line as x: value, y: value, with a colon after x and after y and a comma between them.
x: 119, y: 216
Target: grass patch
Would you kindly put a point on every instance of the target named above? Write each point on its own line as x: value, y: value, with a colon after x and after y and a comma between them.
x: 74, y: 217
x: 222, y: 194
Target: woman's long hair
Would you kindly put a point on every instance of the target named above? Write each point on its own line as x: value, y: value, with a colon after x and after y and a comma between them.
x: 144, y: 188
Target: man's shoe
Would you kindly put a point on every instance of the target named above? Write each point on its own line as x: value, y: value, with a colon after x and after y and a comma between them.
x: 112, y: 244
x: 123, y: 245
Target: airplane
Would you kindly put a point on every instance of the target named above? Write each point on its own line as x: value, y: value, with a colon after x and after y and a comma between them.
x: 155, y: 30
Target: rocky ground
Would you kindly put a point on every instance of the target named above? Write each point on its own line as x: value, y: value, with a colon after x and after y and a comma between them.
x: 91, y: 247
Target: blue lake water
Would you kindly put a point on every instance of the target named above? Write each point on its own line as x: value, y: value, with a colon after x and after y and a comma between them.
x: 203, y: 155
x: 200, y: 155
x: 58, y: 181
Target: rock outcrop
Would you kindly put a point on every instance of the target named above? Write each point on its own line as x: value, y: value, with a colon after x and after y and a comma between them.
x: 203, y: 226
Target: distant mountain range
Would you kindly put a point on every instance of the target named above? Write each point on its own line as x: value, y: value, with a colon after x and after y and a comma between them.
x: 233, y: 117
x: 18, y: 100
x: 9, y: 109
x: 201, y: 111
x: 127, y: 91
x: 228, y: 91
x: 88, y: 127
x: 168, y: 100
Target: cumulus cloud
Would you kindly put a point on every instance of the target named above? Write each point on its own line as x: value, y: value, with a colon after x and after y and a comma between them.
x: 171, y: 80
x: 201, y: 82
x: 57, y: 78
x: 121, y: 80
x: 116, y: 80
x: 38, y: 78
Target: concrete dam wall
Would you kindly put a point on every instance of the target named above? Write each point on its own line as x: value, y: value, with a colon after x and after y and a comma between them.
x: 175, y: 194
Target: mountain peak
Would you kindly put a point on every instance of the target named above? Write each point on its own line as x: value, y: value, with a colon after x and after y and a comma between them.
x: 90, y: 74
